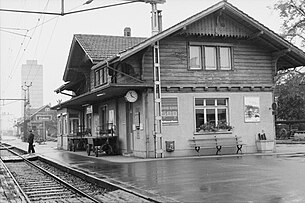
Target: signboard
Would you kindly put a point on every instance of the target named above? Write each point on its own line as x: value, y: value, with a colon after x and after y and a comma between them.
x: 170, y: 110
x: 251, y: 109
x: 89, y: 109
x: 42, y: 117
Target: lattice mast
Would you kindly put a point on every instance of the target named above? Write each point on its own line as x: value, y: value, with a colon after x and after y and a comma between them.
x: 158, y: 138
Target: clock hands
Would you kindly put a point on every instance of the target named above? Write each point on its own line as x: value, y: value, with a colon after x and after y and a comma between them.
x: 131, y: 94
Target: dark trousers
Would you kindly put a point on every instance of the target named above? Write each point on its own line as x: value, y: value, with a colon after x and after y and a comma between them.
x: 31, y: 148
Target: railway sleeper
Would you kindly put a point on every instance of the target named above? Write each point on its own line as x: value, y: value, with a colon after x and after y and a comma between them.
x: 52, y: 195
x: 49, y: 192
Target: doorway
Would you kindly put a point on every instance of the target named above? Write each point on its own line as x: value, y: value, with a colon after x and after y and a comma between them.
x: 129, y: 130
x: 103, y: 118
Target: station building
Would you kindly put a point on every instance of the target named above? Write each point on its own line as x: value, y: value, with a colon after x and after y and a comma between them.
x: 209, y: 75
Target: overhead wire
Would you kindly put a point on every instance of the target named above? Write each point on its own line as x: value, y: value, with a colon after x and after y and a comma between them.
x: 10, y: 58
x: 35, y: 52
x: 49, y: 41
x: 56, y: 17
x: 15, y: 33
x: 37, y: 25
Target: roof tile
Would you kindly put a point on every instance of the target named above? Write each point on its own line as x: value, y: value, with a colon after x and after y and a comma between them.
x: 102, y: 47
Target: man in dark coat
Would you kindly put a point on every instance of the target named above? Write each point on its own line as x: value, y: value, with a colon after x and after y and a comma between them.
x: 31, y: 141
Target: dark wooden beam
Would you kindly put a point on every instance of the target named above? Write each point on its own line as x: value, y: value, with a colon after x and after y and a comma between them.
x: 281, y: 52
x: 256, y: 35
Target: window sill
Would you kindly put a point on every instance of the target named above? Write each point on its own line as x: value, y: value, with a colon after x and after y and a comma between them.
x: 214, y: 133
x: 212, y: 70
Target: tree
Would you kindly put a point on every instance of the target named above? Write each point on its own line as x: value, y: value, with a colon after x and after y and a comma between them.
x: 290, y: 84
x: 290, y: 94
x: 292, y: 12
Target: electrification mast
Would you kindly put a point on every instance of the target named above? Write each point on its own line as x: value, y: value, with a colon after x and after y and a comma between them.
x: 156, y: 26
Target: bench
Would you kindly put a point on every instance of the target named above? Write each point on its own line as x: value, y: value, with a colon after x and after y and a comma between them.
x: 217, y: 143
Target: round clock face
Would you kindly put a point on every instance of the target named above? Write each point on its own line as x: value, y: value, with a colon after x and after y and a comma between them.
x: 131, y: 96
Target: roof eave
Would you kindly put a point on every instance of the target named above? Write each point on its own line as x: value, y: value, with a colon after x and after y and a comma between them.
x: 74, y: 41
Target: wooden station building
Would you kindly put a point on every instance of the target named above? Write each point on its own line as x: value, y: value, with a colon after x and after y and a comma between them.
x: 209, y: 75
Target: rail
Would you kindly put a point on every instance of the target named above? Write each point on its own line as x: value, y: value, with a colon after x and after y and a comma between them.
x: 51, y: 175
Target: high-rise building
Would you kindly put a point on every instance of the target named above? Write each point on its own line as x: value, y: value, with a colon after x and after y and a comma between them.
x: 32, y: 79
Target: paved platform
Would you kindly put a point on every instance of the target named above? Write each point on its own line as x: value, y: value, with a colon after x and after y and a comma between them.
x: 273, y: 177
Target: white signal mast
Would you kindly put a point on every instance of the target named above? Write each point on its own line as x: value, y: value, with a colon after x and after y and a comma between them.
x: 156, y: 27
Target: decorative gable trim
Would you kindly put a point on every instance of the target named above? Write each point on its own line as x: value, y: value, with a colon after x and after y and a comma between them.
x: 217, y: 24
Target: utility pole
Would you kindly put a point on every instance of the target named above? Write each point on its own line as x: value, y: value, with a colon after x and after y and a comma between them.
x: 24, y: 115
x: 28, y: 89
x: 26, y: 103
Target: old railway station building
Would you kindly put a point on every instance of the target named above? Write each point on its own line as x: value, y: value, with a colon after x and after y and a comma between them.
x: 201, y: 81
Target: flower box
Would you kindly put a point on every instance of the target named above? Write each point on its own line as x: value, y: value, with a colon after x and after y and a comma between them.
x: 264, y: 146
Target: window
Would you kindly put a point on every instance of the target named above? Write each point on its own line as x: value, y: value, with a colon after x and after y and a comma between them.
x: 225, y: 58
x: 65, y: 127
x: 210, y: 111
x: 101, y: 76
x: 195, y: 57
x: 74, y: 126
x: 210, y: 58
x: 88, y: 121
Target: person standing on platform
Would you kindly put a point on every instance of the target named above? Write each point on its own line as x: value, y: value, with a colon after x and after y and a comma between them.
x: 31, y: 142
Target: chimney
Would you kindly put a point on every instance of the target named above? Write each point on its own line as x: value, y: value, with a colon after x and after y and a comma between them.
x: 127, y: 32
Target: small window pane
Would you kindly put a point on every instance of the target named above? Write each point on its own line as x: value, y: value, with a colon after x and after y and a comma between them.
x: 97, y: 77
x: 210, y: 58
x: 225, y: 58
x: 210, y: 102
x: 199, y: 102
x: 211, y: 116
x: 195, y: 57
x: 221, y: 102
x: 222, y: 115
x: 101, y: 76
x: 199, y: 118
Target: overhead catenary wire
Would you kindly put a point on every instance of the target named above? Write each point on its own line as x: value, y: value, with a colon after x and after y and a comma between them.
x: 26, y: 41
x: 57, y: 17
x: 15, y: 33
x: 12, y: 38
x: 67, y: 13
x: 72, y: 12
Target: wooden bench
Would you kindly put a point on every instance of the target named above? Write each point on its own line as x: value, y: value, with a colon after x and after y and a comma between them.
x: 217, y: 143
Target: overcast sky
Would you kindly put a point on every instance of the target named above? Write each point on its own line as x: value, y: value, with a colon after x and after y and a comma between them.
x: 47, y: 38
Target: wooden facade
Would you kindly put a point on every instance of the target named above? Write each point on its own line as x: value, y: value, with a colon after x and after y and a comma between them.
x: 191, y: 94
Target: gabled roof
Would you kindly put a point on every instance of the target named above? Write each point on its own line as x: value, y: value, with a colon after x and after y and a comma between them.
x: 263, y: 33
x: 97, y: 48
x: 36, y: 111
x: 101, y: 47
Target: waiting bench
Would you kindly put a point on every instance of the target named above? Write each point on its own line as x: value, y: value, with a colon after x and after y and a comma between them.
x: 217, y: 143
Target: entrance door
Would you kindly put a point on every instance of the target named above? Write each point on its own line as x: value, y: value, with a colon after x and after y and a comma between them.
x: 129, y: 122
x: 103, y: 121
x: 61, y: 129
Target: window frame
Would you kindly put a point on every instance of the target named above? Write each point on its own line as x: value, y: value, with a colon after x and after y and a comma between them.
x: 215, y: 107
x: 100, y: 76
x: 218, y: 46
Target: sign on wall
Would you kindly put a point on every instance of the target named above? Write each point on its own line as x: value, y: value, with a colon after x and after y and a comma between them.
x: 251, y: 108
x: 170, y: 110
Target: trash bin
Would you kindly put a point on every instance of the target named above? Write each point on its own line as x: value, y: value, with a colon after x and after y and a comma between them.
x: 170, y: 146
x: 264, y: 145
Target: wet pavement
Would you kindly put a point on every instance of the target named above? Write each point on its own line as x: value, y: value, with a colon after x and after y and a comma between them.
x: 277, y: 177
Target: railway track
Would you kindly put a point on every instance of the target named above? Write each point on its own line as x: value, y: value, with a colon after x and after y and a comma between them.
x: 40, y: 181
x: 38, y: 184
